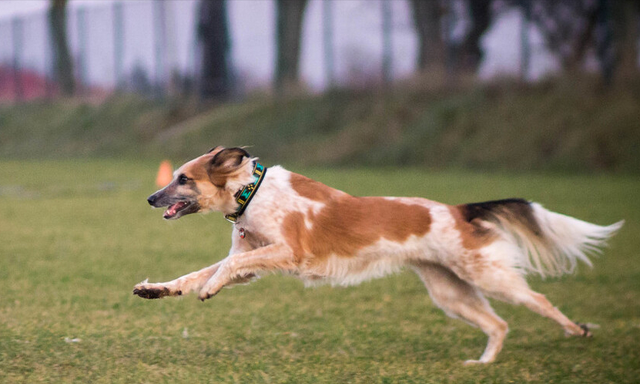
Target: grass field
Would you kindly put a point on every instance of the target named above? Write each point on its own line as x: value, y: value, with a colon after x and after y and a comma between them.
x: 76, y: 236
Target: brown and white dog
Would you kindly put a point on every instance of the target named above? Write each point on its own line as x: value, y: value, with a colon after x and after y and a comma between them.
x: 302, y: 227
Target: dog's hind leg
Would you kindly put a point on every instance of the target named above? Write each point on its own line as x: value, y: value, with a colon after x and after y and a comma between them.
x: 181, y: 286
x: 501, y: 281
x: 511, y: 287
x: 460, y: 300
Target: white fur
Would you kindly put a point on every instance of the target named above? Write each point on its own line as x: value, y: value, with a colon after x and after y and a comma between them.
x: 564, y: 241
x: 383, y: 258
x: 458, y: 266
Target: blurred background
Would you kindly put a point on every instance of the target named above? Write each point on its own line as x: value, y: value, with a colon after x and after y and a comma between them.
x: 499, y: 84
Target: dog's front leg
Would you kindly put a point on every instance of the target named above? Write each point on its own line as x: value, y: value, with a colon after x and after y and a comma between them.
x: 181, y: 286
x: 239, y: 266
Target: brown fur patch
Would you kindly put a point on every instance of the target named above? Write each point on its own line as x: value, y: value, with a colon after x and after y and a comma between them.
x: 197, y: 169
x: 348, y: 224
x: 472, y: 233
x: 470, y: 217
x: 311, y: 189
x: 210, y: 180
x: 516, y: 211
x: 216, y: 166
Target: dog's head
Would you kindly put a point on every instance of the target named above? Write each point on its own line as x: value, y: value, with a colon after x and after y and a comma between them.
x: 206, y: 183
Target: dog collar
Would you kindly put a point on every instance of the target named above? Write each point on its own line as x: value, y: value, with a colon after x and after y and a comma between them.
x: 246, y: 194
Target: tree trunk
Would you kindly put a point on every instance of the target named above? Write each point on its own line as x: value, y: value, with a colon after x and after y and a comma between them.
x: 584, y: 40
x: 471, y: 54
x: 60, y: 46
x: 289, y: 32
x: 626, y: 13
x: 213, y: 34
x: 605, y: 49
x: 426, y: 18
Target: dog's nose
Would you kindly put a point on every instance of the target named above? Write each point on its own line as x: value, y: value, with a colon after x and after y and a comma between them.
x: 152, y: 199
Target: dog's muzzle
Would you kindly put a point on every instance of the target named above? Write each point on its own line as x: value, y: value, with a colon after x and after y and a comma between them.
x: 161, y: 199
x: 177, y: 206
x: 153, y: 199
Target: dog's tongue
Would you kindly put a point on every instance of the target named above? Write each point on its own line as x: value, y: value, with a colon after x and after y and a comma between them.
x: 172, y: 210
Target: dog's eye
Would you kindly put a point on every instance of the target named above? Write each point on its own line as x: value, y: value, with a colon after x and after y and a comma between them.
x: 182, y: 179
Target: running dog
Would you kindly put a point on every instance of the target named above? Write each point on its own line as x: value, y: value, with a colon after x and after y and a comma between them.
x: 463, y: 253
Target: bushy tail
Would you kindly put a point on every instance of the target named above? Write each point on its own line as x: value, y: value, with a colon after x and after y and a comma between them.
x: 551, y: 243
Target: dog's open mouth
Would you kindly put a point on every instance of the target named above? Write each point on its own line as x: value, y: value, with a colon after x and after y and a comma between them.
x: 180, y: 208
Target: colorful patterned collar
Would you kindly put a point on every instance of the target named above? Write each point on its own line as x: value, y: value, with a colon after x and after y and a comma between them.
x: 246, y: 194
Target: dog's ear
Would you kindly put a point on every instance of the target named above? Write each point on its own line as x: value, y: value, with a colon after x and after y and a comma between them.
x: 224, y: 163
x: 214, y: 148
x: 229, y: 158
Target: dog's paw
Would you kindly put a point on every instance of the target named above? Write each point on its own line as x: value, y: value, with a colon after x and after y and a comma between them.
x: 215, y: 284
x: 209, y: 291
x: 153, y: 291
x: 579, y: 330
x: 205, y: 295
x: 474, y: 362
x: 585, y: 330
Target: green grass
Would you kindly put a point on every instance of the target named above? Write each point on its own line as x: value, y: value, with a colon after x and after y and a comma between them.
x: 76, y: 236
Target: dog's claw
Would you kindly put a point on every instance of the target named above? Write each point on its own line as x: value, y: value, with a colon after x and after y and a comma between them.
x: 207, y: 297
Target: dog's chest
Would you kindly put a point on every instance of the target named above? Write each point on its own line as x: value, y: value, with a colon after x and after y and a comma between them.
x: 251, y: 237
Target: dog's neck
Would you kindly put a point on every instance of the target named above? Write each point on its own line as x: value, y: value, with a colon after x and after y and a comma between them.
x: 244, y: 196
x: 272, y: 203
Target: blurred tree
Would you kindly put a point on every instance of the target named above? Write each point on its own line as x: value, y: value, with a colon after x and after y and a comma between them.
x: 605, y: 50
x: 290, y: 14
x: 573, y: 28
x: 139, y: 81
x: 626, y: 18
x: 213, y: 34
x: 469, y: 53
x: 427, y: 20
x: 60, y: 46
x: 567, y: 27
